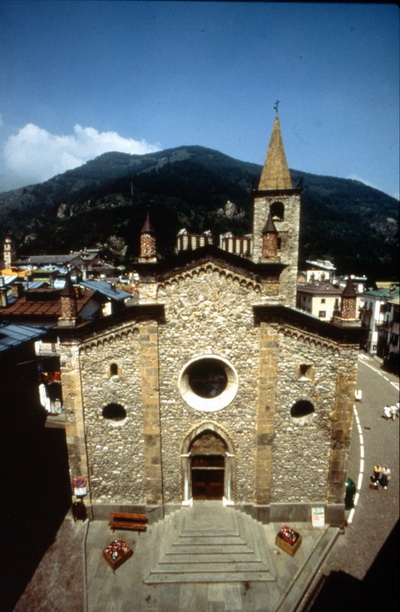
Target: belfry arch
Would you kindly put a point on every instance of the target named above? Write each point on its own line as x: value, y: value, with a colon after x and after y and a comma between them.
x: 207, y: 465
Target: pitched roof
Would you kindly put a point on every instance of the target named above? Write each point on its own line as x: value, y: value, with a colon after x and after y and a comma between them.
x: 147, y: 226
x: 349, y: 291
x: 269, y: 227
x: 320, y: 289
x: 46, y: 304
x: 12, y: 335
x: 111, y: 291
x: 275, y: 173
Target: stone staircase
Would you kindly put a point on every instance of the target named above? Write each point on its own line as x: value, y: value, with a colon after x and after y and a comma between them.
x: 207, y: 543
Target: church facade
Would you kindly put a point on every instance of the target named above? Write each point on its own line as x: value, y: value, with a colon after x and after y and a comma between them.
x: 211, y: 385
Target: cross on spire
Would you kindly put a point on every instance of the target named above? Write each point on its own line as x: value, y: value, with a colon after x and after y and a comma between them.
x: 276, y: 105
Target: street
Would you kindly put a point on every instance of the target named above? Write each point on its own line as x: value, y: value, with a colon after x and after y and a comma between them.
x: 376, y: 512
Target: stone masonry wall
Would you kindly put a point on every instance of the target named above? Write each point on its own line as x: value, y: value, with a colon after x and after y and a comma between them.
x: 304, y: 448
x: 288, y: 230
x: 208, y: 313
x: 115, y: 448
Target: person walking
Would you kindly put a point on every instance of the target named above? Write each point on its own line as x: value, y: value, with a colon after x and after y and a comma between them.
x: 387, y: 413
x: 385, y: 477
x: 377, y: 471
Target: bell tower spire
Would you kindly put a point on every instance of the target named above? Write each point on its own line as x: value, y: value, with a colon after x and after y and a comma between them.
x: 275, y: 173
x: 277, y: 200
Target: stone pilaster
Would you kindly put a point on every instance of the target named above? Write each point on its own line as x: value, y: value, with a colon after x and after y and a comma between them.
x: 265, y: 414
x: 151, y: 412
x: 73, y: 408
x: 342, y: 421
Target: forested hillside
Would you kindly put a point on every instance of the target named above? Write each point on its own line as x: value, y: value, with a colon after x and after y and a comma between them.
x: 105, y: 202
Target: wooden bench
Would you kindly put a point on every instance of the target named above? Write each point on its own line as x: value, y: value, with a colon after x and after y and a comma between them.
x: 122, y: 520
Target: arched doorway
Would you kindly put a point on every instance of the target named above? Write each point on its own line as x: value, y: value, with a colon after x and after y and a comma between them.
x: 207, y: 465
x: 207, y: 453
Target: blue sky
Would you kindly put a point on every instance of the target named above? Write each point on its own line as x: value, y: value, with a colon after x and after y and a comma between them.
x: 81, y: 78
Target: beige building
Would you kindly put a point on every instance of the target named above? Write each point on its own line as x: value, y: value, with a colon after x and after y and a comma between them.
x: 211, y: 385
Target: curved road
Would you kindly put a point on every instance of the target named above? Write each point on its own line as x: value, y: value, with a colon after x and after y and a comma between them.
x: 376, y: 512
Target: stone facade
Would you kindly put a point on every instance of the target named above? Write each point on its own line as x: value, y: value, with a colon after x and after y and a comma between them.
x: 213, y: 386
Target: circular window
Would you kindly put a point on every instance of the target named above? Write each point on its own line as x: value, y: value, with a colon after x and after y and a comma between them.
x: 114, y: 412
x: 301, y: 409
x: 208, y: 383
x: 207, y: 378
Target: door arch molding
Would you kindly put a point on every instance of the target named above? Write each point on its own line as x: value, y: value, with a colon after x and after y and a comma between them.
x: 229, y: 457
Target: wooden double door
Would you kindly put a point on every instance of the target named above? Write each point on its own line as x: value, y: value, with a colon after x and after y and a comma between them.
x: 208, y: 476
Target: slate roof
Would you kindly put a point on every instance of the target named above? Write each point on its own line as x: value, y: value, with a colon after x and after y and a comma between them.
x: 110, y: 291
x: 12, y: 335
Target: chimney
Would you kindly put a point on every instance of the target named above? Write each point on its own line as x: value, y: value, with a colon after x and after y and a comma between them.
x: 69, y: 310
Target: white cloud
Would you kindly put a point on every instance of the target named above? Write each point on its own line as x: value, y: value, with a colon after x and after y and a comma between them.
x: 355, y: 177
x: 34, y: 155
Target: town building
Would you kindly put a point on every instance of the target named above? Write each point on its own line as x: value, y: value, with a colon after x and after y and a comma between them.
x: 373, y: 314
x: 210, y: 384
x: 319, y: 289
x: 388, y: 336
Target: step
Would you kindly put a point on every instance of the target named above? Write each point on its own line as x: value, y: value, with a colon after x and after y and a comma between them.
x: 212, y: 548
x: 187, y: 548
x: 210, y: 577
x: 215, y: 558
x: 217, y: 567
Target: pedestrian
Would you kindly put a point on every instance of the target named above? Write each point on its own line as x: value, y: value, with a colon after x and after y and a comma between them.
x: 376, y: 476
x: 387, y: 413
x: 385, y: 477
x: 394, y: 412
x: 377, y: 472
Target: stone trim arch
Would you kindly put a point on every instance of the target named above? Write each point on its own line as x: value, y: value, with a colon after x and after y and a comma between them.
x: 230, y: 472
x: 209, y: 268
x: 308, y: 338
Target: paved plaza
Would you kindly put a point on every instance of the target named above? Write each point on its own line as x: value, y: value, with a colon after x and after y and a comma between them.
x: 225, y: 562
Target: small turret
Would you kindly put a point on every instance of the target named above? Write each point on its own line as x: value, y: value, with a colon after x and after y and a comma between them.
x: 148, y: 247
x: 348, y: 309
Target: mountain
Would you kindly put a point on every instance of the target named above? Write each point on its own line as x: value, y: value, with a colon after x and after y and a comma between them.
x: 105, y: 201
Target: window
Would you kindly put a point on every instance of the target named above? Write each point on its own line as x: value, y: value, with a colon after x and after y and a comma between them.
x: 114, y: 369
x: 208, y: 383
x: 322, y: 314
x: 323, y: 300
x: 207, y: 378
x: 114, y: 412
x: 305, y: 371
x: 277, y: 211
x: 301, y: 409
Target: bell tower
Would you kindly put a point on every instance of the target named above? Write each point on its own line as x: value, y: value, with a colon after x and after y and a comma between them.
x: 277, y: 200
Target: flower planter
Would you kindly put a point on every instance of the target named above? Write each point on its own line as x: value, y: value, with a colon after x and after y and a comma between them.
x: 288, y: 540
x: 117, y: 553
